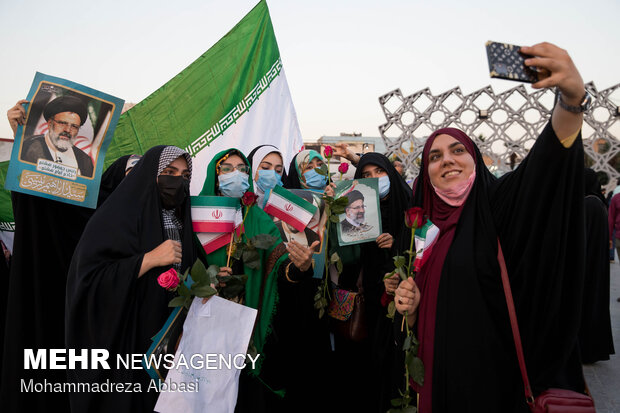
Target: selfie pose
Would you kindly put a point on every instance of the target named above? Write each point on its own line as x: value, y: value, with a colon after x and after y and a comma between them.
x: 457, y: 303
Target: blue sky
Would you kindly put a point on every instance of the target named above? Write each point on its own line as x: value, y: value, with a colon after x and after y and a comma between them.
x: 339, y: 56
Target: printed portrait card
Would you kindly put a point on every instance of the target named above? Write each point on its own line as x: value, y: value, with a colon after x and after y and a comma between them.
x: 59, y: 152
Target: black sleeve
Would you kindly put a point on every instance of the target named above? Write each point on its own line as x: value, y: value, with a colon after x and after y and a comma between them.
x: 294, y: 273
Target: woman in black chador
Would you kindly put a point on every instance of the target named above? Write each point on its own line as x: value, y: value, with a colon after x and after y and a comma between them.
x: 113, y: 299
x: 595, y: 340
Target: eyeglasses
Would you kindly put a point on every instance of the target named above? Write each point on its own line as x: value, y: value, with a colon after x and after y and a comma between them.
x: 226, y: 168
x: 63, y: 124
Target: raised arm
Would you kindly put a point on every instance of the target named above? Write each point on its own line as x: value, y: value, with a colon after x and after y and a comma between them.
x: 556, y: 69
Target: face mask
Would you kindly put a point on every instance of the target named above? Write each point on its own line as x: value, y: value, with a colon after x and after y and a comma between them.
x: 172, y: 190
x: 233, y: 184
x: 268, y: 179
x: 314, y: 180
x: 384, y: 186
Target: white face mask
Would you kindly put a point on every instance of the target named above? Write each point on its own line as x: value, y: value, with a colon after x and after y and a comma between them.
x: 384, y: 186
x: 233, y: 184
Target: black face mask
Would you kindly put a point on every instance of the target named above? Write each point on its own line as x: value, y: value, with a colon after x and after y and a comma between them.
x: 172, y: 190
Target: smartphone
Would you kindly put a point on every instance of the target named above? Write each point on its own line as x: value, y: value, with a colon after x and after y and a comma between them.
x: 507, y: 62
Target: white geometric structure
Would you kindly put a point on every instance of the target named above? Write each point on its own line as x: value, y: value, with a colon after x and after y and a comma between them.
x: 504, y: 126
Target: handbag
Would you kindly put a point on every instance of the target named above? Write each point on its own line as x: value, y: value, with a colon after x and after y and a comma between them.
x: 551, y: 400
x: 347, y: 311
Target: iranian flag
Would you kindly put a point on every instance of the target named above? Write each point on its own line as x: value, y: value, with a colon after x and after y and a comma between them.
x: 290, y: 208
x: 425, y: 238
x: 214, y: 213
x: 233, y: 96
x: 212, y: 241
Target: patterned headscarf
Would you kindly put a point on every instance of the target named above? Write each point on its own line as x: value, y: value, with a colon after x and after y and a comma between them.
x: 172, y: 223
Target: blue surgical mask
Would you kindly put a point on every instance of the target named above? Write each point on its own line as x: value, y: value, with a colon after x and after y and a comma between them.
x: 268, y: 179
x: 233, y: 184
x: 315, y: 180
x: 384, y: 186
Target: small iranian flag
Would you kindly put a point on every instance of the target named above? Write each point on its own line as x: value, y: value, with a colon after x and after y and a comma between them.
x: 290, y: 208
x: 425, y: 238
x: 212, y: 241
x: 214, y: 213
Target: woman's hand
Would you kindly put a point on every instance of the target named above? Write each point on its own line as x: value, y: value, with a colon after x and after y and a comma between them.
x: 556, y: 68
x: 391, y: 284
x: 342, y: 149
x: 224, y: 272
x: 300, y: 255
x: 167, y: 253
x: 17, y: 115
x: 385, y: 240
x: 407, y: 298
x: 330, y: 190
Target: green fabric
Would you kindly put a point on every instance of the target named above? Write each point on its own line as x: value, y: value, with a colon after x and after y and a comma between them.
x: 7, y: 222
x: 256, y: 222
x: 311, y: 153
x: 201, y: 96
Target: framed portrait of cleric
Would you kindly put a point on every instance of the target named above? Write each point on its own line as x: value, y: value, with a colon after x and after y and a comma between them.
x: 314, y: 231
x: 361, y: 221
x: 59, y: 151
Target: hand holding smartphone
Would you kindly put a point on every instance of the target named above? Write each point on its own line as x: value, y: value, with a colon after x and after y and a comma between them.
x: 507, y: 62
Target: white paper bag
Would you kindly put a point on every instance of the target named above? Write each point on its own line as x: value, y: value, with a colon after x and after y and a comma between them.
x: 216, y: 334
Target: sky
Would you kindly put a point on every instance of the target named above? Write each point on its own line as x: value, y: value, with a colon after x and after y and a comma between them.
x: 339, y: 56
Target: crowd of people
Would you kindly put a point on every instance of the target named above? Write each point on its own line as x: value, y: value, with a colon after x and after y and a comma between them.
x: 85, y: 279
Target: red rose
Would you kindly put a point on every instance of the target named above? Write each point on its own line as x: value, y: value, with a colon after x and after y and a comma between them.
x: 169, y: 279
x: 343, y: 168
x: 328, y: 151
x: 249, y: 199
x: 414, y: 217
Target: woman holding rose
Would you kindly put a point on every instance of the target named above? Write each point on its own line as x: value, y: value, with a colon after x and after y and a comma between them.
x: 456, y: 302
x: 113, y: 299
x: 269, y: 386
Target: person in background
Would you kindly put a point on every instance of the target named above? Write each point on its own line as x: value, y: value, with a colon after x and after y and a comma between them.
x: 595, y: 340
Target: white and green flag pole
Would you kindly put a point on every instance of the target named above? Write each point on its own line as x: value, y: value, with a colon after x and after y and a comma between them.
x: 234, y: 95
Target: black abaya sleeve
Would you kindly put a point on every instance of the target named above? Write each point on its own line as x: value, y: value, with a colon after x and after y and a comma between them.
x: 538, y: 213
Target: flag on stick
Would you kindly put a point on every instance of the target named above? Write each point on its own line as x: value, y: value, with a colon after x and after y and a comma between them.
x: 290, y: 208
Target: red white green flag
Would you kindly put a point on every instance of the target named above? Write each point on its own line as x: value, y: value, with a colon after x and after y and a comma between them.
x: 425, y: 238
x: 290, y: 208
x: 214, y: 213
x: 212, y: 241
x: 233, y: 96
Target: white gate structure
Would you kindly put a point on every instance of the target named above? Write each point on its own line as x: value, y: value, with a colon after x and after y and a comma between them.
x: 504, y: 125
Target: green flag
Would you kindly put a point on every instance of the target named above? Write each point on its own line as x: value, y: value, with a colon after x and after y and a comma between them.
x: 234, y: 95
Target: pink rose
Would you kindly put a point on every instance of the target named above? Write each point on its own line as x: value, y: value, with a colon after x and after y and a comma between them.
x: 329, y: 151
x: 343, y: 168
x: 169, y: 279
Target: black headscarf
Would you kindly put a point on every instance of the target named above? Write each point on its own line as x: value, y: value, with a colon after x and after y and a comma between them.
x: 386, y: 358
x: 537, y: 213
x: 394, y: 205
x: 108, y: 306
x: 46, y: 233
x: 111, y: 178
x: 595, y: 336
x: 592, y: 185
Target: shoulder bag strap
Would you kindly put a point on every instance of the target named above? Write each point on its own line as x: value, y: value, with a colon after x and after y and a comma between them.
x: 529, y: 397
